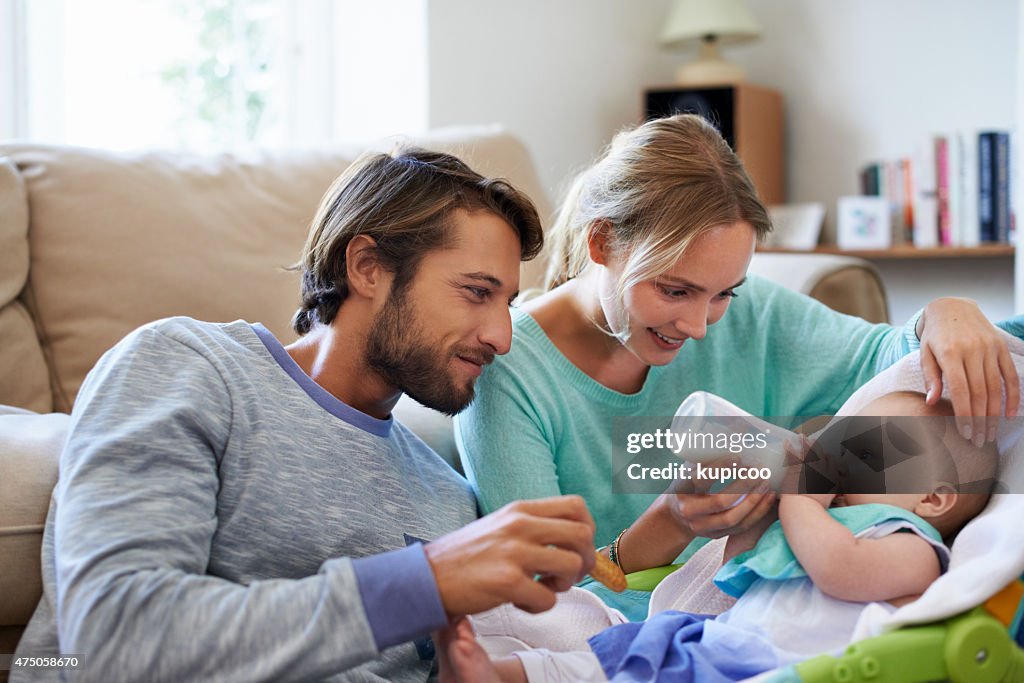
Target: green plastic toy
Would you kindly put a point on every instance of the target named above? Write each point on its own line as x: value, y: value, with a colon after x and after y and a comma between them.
x: 973, y: 647
x: 648, y: 579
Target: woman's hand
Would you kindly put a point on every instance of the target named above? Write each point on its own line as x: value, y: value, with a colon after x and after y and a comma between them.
x: 737, y: 508
x: 686, y: 510
x: 961, y: 348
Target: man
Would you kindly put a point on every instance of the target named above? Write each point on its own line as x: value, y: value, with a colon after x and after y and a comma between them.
x: 231, y: 509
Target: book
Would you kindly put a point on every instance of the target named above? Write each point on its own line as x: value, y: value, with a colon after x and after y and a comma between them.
x: 967, y: 175
x: 986, y: 207
x: 1015, y: 185
x: 941, y: 143
x: 894, y: 193
x: 994, y: 186
x: 954, y: 180
x: 925, y: 210
x: 1001, y: 184
x: 869, y: 180
x: 908, y: 200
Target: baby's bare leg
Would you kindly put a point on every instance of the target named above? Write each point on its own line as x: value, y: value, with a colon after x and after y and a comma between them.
x: 462, y: 660
x: 509, y: 669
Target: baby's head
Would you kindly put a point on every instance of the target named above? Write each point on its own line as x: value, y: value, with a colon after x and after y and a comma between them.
x: 915, y: 459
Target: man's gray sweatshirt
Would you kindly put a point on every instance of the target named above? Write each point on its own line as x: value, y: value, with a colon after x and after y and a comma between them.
x: 221, y: 517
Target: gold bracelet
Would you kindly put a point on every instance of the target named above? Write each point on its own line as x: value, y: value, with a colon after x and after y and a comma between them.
x: 613, y: 550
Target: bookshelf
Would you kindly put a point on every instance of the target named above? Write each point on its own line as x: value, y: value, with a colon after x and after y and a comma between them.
x: 987, y: 251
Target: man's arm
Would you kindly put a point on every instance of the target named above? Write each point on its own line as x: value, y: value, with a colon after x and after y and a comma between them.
x: 848, y: 568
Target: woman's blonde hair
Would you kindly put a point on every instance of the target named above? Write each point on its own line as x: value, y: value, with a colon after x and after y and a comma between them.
x: 655, y: 189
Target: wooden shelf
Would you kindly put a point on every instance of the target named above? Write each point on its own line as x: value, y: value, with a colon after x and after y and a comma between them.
x: 908, y: 252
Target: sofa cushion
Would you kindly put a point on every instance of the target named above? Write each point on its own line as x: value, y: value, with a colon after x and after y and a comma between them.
x: 120, y: 239
x: 32, y: 446
x: 24, y: 379
x: 843, y: 283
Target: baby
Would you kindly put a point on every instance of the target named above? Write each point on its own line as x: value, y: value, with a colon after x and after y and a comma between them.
x: 813, y: 575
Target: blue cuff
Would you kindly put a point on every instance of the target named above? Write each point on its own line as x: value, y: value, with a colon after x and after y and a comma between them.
x: 399, y: 595
x: 910, y: 332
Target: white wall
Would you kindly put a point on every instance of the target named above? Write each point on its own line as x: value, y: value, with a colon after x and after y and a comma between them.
x: 12, y: 77
x: 563, y: 75
x: 868, y: 79
x: 862, y: 80
x: 912, y: 284
x: 380, y: 74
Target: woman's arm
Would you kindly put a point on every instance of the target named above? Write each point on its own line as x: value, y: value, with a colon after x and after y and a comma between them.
x: 674, y: 520
x: 834, y: 354
x: 655, y: 539
x: 805, y: 358
x: 853, y: 569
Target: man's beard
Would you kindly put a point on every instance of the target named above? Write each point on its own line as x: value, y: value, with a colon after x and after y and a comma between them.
x: 398, y: 349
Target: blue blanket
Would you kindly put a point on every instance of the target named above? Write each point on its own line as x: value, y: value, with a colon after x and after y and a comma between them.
x: 678, y: 647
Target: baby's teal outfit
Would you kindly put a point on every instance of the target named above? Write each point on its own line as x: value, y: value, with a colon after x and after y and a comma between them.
x: 772, y: 558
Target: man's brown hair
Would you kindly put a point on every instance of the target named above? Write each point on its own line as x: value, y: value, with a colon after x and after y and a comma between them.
x: 404, y: 201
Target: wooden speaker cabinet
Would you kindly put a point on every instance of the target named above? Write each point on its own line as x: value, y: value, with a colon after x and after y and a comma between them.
x: 749, y: 118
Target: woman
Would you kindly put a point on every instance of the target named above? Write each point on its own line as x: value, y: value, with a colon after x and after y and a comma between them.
x: 647, y: 301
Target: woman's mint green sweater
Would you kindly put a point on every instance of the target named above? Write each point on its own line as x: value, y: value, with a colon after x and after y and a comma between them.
x: 541, y: 427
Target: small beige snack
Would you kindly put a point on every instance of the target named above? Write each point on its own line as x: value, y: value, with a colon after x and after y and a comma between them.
x: 608, y: 573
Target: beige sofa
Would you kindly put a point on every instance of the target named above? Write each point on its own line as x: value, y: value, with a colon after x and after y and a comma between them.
x: 94, y: 244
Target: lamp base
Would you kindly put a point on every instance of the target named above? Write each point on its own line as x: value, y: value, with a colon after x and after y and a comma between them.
x: 705, y: 72
x: 710, y: 68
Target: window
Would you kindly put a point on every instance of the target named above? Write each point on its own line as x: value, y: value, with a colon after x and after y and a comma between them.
x: 212, y: 74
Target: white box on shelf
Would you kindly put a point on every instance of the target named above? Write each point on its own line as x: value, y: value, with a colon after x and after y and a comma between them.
x: 863, y: 223
x: 795, y: 226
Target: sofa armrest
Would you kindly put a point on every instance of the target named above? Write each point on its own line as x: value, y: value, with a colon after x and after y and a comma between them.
x: 846, y: 284
x: 30, y: 446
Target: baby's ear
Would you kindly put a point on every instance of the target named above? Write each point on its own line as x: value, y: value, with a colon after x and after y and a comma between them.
x: 937, y: 503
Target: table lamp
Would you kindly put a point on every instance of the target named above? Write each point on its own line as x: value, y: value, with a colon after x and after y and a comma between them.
x: 709, y: 23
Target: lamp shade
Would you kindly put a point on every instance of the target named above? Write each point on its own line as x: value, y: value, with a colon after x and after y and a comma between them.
x: 728, y: 21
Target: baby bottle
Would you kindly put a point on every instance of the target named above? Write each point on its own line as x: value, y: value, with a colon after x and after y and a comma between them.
x: 709, y: 430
